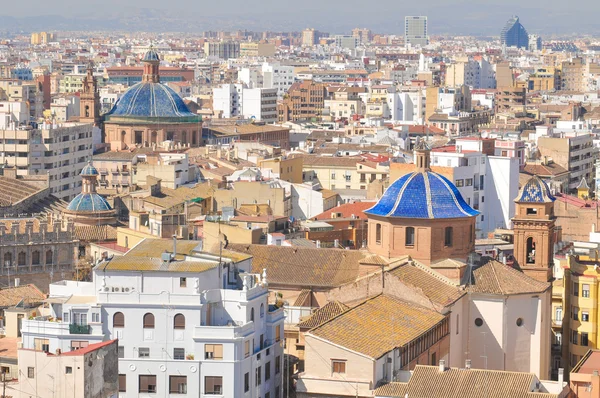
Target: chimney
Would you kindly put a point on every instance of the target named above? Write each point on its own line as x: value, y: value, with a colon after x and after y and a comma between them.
x: 174, y: 246
x: 468, y: 364
x: 561, y: 377
x: 442, y: 365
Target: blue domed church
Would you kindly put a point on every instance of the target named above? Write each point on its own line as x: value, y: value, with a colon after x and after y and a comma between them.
x: 150, y: 113
x: 422, y: 214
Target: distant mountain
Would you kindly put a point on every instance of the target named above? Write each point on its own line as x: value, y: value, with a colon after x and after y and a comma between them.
x: 470, y: 19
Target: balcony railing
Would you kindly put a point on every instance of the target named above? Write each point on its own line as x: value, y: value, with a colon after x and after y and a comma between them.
x: 79, y: 329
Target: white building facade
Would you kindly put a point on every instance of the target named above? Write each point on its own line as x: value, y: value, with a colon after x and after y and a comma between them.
x: 187, y: 324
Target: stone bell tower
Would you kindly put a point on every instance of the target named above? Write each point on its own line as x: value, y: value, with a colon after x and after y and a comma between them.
x: 89, y: 100
x: 533, y: 226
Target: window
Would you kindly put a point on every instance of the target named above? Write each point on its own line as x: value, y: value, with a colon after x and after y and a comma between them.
x: 118, y: 320
x: 95, y: 317
x: 457, y: 323
x: 258, y: 376
x: 584, y: 339
x: 378, y: 234
x: 35, y: 258
x: 268, y: 371
x: 585, y: 316
x: 76, y: 345
x: 213, y: 385
x: 179, y: 353
x: 469, y: 182
x: 574, y: 337
x: 182, y: 282
x: 148, y: 383
x: 338, y: 366
x: 178, y: 384
x: 149, y: 321
x: 247, y: 348
x: 179, y: 321
x: 478, y: 322
x: 575, y: 312
x: 122, y: 383
x: 143, y: 352
x: 448, y: 237
x: 262, y: 310
x: 277, y: 365
x: 246, y: 382
x: 585, y: 290
x: 48, y: 257
x: 121, y: 351
x: 277, y: 332
x: 252, y: 314
x: 459, y: 183
x: 22, y: 258
x: 30, y: 372
x: 41, y: 344
x: 409, y: 239
x: 68, y: 370
x: 213, y: 351
x: 333, y: 176
x: 558, y: 314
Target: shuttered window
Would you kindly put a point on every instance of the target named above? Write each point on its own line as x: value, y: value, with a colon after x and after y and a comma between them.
x: 149, y: 321
x: 118, y: 320
x: 122, y: 383
x: 178, y: 384
x: 148, y: 383
x: 213, y: 385
x: 213, y: 351
x: 179, y: 321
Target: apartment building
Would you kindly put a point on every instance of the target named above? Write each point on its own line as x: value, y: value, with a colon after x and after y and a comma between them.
x: 222, y: 50
x: 464, y: 71
x: 342, y: 172
x: 304, y: 101
x: 59, y: 150
x: 344, y: 102
x: 191, y: 323
x: 573, y: 75
x: 278, y: 76
x: 30, y: 92
x: 257, y: 49
x: 574, y: 152
x: 415, y: 31
x: 310, y: 37
x: 546, y: 78
x: 511, y: 100
x: 235, y: 100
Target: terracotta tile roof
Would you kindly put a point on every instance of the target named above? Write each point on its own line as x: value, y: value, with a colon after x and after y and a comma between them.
x: 377, y: 326
x: 392, y: 390
x: 303, y: 266
x: 95, y: 233
x: 88, y: 349
x: 12, y: 296
x: 304, y: 299
x: 330, y: 161
x: 323, y: 314
x: 494, y: 277
x: 544, y: 170
x: 8, y: 347
x: 347, y: 210
x: 429, y: 382
x: 432, y: 287
x: 246, y: 129
x: 13, y: 191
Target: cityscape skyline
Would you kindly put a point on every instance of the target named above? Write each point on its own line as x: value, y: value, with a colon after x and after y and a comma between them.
x: 454, y: 18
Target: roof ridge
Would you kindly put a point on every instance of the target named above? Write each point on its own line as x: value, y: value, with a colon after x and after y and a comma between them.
x: 431, y: 272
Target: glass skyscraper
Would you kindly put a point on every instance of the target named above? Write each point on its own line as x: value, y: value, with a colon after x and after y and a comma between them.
x: 514, y: 34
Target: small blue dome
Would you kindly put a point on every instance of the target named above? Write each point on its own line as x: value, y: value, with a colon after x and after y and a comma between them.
x: 89, y: 170
x: 148, y: 99
x: 89, y: 202
x: 422, y: 195
x: 535, y: 191
x: 151, y: 56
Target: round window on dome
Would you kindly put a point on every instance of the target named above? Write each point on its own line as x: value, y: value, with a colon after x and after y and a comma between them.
x: 478, y: 322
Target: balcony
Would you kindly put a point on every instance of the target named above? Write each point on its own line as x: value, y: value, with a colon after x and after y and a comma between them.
x: 79, y: 329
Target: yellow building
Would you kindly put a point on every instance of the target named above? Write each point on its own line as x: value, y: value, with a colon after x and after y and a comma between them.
x: 581, y: 307
x: 342, y: 172
x: 546, y: 78
x: 288, y: 169
x: 257, y: 49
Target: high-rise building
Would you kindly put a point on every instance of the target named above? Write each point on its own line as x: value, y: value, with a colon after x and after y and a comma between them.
x: 514, y: 34
x: 222, y: 50
x: 362, y: 34
x: 310, y: 37
x: 535, y: 43
x: 415, y: 31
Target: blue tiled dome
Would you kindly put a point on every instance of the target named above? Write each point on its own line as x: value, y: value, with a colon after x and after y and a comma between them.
x: 535, y: 191
x: 89, y: 202
x: 148, y: 99
x: 89, y: 170
x: 151, y: 56
x: 422, y: 195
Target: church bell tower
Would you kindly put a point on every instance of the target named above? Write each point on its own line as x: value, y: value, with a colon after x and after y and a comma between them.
x: 90, y: 99
x: 533, y: 226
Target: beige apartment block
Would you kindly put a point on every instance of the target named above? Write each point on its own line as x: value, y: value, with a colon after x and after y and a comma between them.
x: 342, y: 172
x: 59, y: 150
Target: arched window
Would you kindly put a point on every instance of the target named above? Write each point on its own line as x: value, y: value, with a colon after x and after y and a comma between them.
x: 118, y: 320
x: 48, y: 257
x: 183, y: 137
x: 252, y: 314
x: 179, y: 322
x: 7, y: 259
x: 22, y: 258
x: 87, y: 111
x: 448, y: 237
x: 149, y: 321
x: 378, y: 234
x: 530, y: 259
x: 262, y: 310
x: 154, y: 137
x: 409, y: 239
x: 35, y: 257
x: 123, y: 135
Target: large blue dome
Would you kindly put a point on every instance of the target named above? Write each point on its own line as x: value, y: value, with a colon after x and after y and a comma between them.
x: 422, y: 195
x: 148, y: 99
x: 89, y: 202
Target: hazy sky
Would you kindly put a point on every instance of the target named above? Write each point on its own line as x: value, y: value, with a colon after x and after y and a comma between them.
x: 334, y: 15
